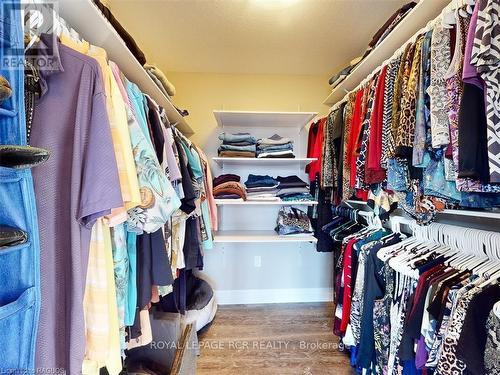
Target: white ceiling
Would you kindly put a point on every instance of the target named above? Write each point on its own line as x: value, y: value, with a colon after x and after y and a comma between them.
x: 253, y: 36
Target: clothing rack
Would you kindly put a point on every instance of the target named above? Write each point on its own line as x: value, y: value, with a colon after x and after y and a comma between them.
x: 451, y: 7
x: 90, y: 24
x: 475, y: 242
x: 466, y: 239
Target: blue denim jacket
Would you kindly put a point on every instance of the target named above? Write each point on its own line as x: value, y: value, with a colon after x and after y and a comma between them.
x: 19, y: 265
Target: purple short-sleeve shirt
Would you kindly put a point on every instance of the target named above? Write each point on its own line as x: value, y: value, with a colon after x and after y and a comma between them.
x: 78, y: 184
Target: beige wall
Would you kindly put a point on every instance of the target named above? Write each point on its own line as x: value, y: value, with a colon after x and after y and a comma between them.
x: 201, y: 93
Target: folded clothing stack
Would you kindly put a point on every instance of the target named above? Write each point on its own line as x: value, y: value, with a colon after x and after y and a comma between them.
x: 160, y: 79
x: 293, y: 221
x: 261, y: 188
x: 379, y: 36
x: 275, y: 147
x: 292, y: 188
x: 239, y: 145
x: 228, y: 186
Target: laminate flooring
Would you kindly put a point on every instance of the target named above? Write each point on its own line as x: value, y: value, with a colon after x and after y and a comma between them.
x: 275, y: 339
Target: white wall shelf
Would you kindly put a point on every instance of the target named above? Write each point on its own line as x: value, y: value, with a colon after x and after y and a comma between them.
x: 88, y: 21
x: 230, y: 202
x: 263, y: 161
x: 418, y: 17
x: 263, y: 119
x: 259, y: 236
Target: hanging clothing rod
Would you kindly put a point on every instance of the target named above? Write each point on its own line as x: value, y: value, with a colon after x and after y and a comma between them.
x: 466, y: 240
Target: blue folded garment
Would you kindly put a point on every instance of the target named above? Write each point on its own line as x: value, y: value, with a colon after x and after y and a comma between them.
x: 244, y: 143
x: 238, y: 137
x: 259, y: 181
x: 226, y: 147
x: 271, y: 150
x: 267, y: 147
x: 297, y: 197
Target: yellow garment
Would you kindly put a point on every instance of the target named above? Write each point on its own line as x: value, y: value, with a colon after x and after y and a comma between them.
x: 100, y: 306
x: 121, y: 138
x: 81, y: 46
x: 101, y: 313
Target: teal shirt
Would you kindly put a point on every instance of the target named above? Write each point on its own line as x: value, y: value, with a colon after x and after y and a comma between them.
x: 196, y: 166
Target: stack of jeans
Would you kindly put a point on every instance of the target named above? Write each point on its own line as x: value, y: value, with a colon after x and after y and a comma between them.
x: 239, y: 145
x: 293, y: 221
x: 275, y: 147
x: 292, y: 188
x: 261, y: 188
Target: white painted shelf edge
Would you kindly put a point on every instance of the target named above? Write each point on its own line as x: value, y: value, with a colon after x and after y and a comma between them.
x: 418, y: 17
x: 261, y: 236
x: 229, y: 202
x: 276, y: 161
x: 263, y: 119
x: 91, y: 25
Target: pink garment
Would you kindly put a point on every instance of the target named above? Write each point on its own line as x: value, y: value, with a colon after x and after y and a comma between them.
x: 470, y: 74
x: 117, y: 74
x: 212, y: 207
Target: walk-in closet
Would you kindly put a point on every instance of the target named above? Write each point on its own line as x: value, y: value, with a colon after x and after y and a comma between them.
x: 232, y: 187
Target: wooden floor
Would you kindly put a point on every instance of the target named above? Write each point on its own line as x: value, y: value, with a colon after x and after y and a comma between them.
x: 277, y: 339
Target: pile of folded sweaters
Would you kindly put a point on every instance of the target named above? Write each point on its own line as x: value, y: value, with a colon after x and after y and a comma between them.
x: 267, y: 188
x: 239, y: 145
x: 261, y: 188
x: 228, y: 186
x: 275, y: 147
x: 292, y: 188
x: 244, y: 145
